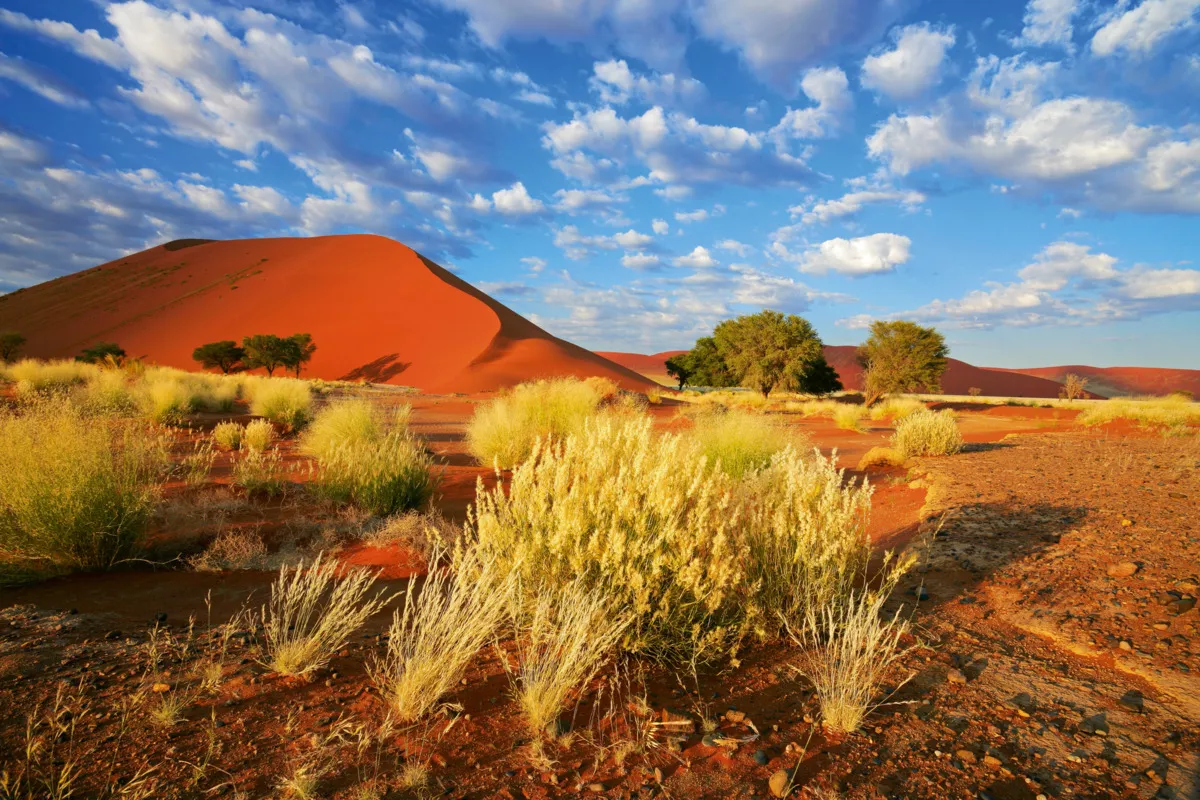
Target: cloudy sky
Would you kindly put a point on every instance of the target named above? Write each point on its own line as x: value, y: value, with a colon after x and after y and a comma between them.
x: 1024, y: 175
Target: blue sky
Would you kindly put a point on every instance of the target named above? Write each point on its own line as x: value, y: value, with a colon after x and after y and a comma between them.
x: 1023, y: 175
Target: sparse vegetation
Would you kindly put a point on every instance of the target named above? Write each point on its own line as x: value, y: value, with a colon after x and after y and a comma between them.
x: 927, y: 433
x: 505, y: 431
x: 1074, y: 387
x: 896, y: 408
x: 848, y: 416
x: 74, y: 491
x: 11, y: 343
x: 259, y: 472
x: 569, y: 632
x: 1174, y: 411
x: 739, y: 442
x: 257, y: 435
x: 849, y: 649
x: 284, y: 401
x: 312, y: 613
x: 438, y: 631
x: 228, y: 435
x: 353, y: 421
x: 392, y: 474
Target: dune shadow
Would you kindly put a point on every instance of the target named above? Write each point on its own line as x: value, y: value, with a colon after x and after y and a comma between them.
x: 381, y: 370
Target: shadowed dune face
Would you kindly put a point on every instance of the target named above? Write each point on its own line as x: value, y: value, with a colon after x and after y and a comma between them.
x: 376, y: 310
x: 1114, y: 381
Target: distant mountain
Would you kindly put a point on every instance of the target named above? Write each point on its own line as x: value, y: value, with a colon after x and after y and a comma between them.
x: 376, y: 310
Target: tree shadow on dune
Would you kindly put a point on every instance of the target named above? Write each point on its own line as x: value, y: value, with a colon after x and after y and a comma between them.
x: 381, y: 370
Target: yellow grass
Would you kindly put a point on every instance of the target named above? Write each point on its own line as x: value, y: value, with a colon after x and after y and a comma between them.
x: 42, y: 377
x: 569, y: 633
x: 896, y: 408
x: 257, y: 435
x: 284, y: 401
x: 1173, y: 411
x: 312, y: 614
x: 642, y: 520
x: 75, y: 491
x: 439, y: 630
x: 738, y: 441
x: 503, y: 432
x: 850, y: 648
x: 228, y: 435
x: 927, y: 433
x: 351, y: 421
x: 849, y: 417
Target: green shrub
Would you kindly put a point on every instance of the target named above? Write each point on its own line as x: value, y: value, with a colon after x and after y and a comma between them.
x: 927, y: 433
x: 76, y: 491
x: 503, y: 432
x: 228, y: 435
x: 349, y: 422
x: 739, y: 441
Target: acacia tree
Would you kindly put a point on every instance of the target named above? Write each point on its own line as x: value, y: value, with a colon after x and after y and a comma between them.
x: 266, y: 350
x: 680, y: 368
x: 223, y: 355
x: 767, y: 349
x: 901, y: 356
x: 1074, y: 387
x: 10, y: 345
x: 110, y: 352
x: 300, y: 349
x: 707, y: 366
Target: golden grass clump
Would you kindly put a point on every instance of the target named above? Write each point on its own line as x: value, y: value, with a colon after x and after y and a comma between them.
x: 1173, y: 411
x: 849, y: 649
x: 896, y: 408
x: 257, y: 435
x: 107, y: 392
x: 927, y: 433
x: 284, y: 401
x: 439, y: 630
x: 881, y: 457
x: 34, y: 377
x: 643, y: 521
x: 232, y: 550
x: 259, y: 472
x: 568, y: 634
x: 350, y: 421
x: 228, y: 435
x: 368, y: 458
x: 312, y: 614
x: 849, y: 417
x: 75, y: 491
x: 739, y: 441
x: 503, y: 432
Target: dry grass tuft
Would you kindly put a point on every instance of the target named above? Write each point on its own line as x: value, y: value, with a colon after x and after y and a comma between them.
x: 849, y: 648
x: 259, y: 472
x: 849, y: 417
x: 567, y: 637
x: 284, y: 401
x: 75, y: 491
x: 258, y: 435
x: 353, y: 422
x: 927, y: 433
x: 1176, y: 411
x: 740, y: 441
x: 896, y: 408
x: 881, y: 457
x: 312, y: 614
x: 228, y: 435
x: 232, y: 550
x: 438, y: 631
x: 503, y: 432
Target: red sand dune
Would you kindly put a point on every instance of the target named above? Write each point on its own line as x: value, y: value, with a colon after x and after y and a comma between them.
x: 376, y: 310
x: 959, y: 378
x: 654, y: 366
x: 1117, y: 381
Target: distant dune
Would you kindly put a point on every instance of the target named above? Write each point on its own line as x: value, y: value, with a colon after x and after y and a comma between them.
x: 960, y: 376
x: 376, y: 310
x: 1118, y: 381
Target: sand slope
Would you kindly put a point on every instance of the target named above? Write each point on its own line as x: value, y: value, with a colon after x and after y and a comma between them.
x: 1117, y: 381
x: 959, y: 378
x: 376, y: 310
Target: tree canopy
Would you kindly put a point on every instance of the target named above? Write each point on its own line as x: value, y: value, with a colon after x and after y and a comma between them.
x: 819, y: 379
x: 266, y: 350
x: 902, y: 356
x: 767, y: 350
x: 706, y: 365
x: 10, y: 345
x: 300, y: 349
x: 223, y: 355
x: 680, y: 368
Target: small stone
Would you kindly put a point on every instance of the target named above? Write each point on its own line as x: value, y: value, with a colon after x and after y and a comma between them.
x: 956, y: 676
x: 735, y: 716
x: 1096, y: 724
x: 1125, y: 645
x: 160, y: 688
x: 1125, y: 523
x: 991, y: 761
x: 1133, y: 700
x: 595, y: 787
x: 1122, y: 570
x: 761, y: 758
x: 658, y: 775
x: 780, y: 783
x: 965, y: 756
x: 160, y: 616
x: 1181, y: 606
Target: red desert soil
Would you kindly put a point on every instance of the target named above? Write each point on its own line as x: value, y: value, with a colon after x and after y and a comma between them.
x: 377, y: 311
x: 1113, y: 381
x: 1058, y: 649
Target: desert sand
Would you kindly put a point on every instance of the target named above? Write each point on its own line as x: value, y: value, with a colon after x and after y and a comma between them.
x: 377, y: 311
